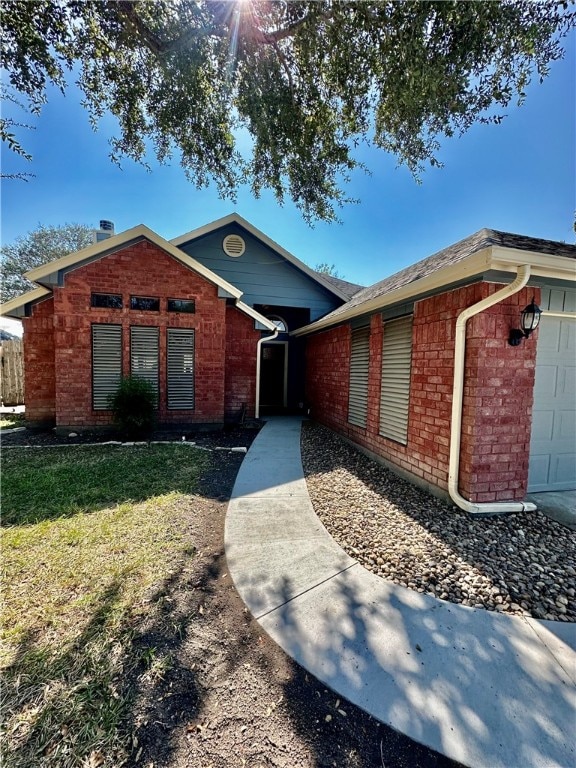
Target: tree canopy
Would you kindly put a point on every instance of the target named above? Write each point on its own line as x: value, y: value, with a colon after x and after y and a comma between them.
x: 38, y: 247
x: 306, y: 82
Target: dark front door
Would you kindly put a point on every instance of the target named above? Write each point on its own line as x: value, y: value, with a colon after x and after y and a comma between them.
x: 273, y: 376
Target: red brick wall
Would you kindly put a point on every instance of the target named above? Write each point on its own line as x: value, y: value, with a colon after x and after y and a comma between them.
x: 497, y: 413
x: 327, y: 377
x: 241, y: 341
x: 39, y: 371
x: 143, y: 270
x: 489, y: 411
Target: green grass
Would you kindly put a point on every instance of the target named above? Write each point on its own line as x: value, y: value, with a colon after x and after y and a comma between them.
x: 10, y: 420
x: 92, y: 535
x: 42, y: 484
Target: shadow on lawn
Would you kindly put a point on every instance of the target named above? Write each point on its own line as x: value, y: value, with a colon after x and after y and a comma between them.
x: 63, y: 704
x: 54, y: 483
x: 185, y: 678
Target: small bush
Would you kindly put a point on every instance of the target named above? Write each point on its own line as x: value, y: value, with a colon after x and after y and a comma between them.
x: 133, y: 406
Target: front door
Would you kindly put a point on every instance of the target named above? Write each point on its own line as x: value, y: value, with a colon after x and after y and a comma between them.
x: 273, y: 375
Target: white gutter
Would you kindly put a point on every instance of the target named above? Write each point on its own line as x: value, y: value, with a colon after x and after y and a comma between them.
x: 258, y: 356
x: 488, y: 508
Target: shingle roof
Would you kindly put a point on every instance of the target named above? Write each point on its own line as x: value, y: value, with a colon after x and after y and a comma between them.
x: 452, y: 255
x: 349, y: 289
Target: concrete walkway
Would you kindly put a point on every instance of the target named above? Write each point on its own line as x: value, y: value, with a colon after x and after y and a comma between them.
x: 558, y: 505
x: 485, y: 689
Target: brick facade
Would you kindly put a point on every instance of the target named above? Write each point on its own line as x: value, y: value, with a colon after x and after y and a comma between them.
x: 240, y: 383
x: 39, y: 370
x: 497, y: 397
x: 58, y: 338
x: 497, y: 413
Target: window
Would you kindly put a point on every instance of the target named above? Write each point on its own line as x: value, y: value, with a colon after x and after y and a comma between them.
x: 279, y: 323
x: 395, y: 392
x: 180, y: 368
x: 106, y: 300
x: 359, y: 362
x: 106, y: 363
x: 181, y: 305
x: 144, y: 354
x: 145, y: 303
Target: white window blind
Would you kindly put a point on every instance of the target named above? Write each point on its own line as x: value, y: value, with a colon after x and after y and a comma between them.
x: 180, y: 368
x: 359, y: 363
x: 144, y: 354
x: 106, y: 363
x: 395, y: 391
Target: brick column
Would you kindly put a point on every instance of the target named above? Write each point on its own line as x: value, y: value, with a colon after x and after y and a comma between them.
x: 498, y: 398
x: 39, y: 365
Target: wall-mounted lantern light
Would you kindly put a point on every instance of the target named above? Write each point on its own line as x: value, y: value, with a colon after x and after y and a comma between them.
x: 529, y: 319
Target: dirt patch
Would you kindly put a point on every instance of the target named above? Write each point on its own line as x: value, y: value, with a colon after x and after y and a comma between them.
x: 220, y: 693
x: 204, y: 686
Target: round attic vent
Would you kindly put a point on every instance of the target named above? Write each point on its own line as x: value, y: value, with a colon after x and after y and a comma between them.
x: 233, y: 246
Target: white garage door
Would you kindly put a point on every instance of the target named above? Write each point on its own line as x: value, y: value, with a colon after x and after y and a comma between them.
x: 553, y: 444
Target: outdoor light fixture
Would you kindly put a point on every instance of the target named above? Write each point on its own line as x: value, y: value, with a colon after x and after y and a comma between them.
x: 529, y: 319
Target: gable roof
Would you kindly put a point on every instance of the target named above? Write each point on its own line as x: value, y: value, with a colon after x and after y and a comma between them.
x: 235, y: 218
x: 48, y: 275
x: 485, y: 249
x: 102, y: 248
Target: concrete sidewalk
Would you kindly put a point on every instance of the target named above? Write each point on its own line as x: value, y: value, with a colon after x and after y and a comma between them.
x: 488, y: 690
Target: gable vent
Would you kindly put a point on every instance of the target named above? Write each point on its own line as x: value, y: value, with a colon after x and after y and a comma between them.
x: 233, y: 245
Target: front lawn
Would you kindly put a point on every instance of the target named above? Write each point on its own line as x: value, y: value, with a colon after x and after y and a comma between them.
x: 11, y: 420
x: 90, y: 537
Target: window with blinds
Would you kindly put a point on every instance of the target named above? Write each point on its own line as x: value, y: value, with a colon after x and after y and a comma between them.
x: 106, y: 363
x: 359, y: 362
x: 144, y: 354
x: 180, y: 368
x: 395, y: 391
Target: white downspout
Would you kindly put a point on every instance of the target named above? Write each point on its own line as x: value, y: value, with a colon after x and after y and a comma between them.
x: 488, y: 508
x: 258, y: 356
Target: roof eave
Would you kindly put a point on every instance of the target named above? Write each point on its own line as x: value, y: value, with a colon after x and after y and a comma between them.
x: 467, y: 268
x: 74, y: 260
x: 541, y: 264
x: 9, y: 308
x: 492, y: 257
x: 255, y: 315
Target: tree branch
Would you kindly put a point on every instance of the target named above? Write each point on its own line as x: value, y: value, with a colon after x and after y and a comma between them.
x: 286, y: 67
x: 128, y: 12
x: 271, y: 38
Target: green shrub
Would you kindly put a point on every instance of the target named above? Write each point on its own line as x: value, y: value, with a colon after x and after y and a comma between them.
x: 133, y: 407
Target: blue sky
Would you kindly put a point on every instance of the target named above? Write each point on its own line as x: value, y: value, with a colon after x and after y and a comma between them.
x: 518, y: 176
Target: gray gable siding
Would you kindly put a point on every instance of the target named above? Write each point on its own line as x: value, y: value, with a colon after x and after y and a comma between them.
x: 262, y: 275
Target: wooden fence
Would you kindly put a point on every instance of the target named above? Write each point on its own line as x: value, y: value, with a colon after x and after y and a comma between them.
x: 12, y: 372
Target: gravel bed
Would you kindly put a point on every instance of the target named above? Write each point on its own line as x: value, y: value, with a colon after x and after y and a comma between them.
x: 523, y: 564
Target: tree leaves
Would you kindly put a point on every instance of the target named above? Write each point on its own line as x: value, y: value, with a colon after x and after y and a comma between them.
x: 309, y: 81
x: 38, y: 247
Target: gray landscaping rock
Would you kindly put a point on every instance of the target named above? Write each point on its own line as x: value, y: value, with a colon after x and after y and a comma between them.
x: 521, y: 564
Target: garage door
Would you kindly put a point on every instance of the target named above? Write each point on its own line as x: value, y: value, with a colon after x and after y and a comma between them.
x: 553, y: 444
